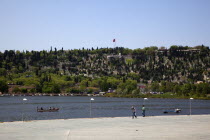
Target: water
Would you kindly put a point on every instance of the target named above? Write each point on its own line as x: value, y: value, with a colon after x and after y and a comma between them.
x: 15, y: 109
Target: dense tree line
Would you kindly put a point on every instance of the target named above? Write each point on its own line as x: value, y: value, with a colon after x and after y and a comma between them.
x: 122, y: 69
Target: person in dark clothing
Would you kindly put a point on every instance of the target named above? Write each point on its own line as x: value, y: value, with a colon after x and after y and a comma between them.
x: 143, y: 111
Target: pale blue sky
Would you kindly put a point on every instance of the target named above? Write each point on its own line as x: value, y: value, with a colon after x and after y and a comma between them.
x: 73, y: 24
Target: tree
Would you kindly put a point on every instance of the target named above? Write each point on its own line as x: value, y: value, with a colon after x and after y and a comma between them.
x: 155, y: 86
x: 16, y: 90
x: 56, y: 88
x: 104, y: 85
x: 186, y: 89
x: 136, y: 92
x: 3, y: 72
x: 3, y: 86
x: 23, y: 90
x: 38, y: 88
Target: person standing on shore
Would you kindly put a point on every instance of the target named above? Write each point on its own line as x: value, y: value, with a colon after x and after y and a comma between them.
x: 143, y: 111
x: 134, y: 112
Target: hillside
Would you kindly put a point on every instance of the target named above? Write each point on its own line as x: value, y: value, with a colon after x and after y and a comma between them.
x: 93, y: 70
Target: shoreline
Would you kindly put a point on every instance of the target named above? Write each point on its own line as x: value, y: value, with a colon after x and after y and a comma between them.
x: 107, y: 118
x: 112, y: 96
x: 157, y: 96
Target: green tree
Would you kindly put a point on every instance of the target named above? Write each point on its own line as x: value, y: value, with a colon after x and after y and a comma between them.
x: 3, y: 72
x: 56, y: 88
x: 24, y: 90
x: 16, y: 90
x: 38, y: 88
x: 3, y: 86
x: 186, y: 89
x: 155, y: 86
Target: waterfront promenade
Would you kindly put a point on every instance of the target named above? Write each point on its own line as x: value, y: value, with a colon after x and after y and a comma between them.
x: 182, y: 127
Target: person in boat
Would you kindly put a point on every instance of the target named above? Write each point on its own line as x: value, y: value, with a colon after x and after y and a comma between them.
x: 41, y: 108
x: 50, y: 108
x: 134, y: 112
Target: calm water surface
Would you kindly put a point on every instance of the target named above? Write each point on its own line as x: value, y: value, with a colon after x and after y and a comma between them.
x: 15, y: 109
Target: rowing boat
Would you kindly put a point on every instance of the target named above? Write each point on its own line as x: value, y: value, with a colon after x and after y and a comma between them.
x: 47, y: 110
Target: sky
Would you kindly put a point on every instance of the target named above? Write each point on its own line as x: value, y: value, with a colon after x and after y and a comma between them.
x: 74, y: 24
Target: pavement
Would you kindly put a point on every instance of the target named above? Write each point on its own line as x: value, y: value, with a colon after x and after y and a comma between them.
x: 180, y: 127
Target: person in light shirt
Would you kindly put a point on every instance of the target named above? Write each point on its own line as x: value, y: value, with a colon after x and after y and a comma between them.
x: 134, y: 112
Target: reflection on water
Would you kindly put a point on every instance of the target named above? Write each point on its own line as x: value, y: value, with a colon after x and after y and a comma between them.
x: 14, y: 108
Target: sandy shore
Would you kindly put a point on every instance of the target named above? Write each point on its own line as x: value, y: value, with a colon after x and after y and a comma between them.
x: 121, y: 128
